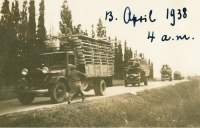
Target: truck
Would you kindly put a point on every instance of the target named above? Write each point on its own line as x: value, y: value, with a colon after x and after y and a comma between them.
x: 138, y: 71
x: 166, y: 73
x: 178, y: 75
x: 49, y: 78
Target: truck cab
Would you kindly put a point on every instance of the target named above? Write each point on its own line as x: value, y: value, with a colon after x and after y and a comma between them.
x: 166, y: 73
x: 178, y: 75
x: 48, y: 78
x: 137, y: 72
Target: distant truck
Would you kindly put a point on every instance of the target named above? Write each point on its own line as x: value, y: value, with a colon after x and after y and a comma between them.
x: 166, y: 73
x: 138, y: 71
x: 94, y: 57
x: 178, y: 75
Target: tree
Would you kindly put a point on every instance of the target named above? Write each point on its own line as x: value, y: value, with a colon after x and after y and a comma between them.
x: 32, y: 48
x: 22, y: 35
x: 118, y: 65
x: 41, y: 31
x: 151, y: 71
x: 5, y: 40
x: 125, y: 54
x: 16, y: 17
x: 121, y: 66
x: 66, y: 17
x: 31, y: 23
x: 93, y: 33
x: 130, y: 53
x: 101, y: 32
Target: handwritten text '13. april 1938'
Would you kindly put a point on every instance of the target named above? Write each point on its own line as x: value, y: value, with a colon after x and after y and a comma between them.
x: 174, y: 14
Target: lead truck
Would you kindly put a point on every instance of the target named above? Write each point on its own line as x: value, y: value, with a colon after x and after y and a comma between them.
x: 95, y: 57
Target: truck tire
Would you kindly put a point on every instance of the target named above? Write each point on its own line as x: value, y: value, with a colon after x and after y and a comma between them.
x: 58, y: 92
x: 26, y: 98
x: 145, y: 81
x: 101, y: 88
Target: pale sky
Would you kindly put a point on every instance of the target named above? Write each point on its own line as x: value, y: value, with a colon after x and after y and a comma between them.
x: 181, y: 55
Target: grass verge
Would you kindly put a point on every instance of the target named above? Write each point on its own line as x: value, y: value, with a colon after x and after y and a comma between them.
x: 171, y: 106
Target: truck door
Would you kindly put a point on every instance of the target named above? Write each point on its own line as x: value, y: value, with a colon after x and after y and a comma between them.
x: 71, y: 60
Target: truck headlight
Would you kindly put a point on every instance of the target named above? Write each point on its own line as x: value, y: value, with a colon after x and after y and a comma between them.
x: 24, y: 71
x: 45, y: 70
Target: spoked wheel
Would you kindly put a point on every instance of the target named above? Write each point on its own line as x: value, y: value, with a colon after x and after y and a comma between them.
x: 58, y: 92
x: 25, y: 98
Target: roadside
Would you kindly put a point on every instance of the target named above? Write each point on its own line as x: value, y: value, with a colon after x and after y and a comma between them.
x: 171, y: 106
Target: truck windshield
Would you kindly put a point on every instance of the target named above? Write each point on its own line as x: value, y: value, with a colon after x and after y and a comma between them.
x: 57, y: 59
x: 133, y: 71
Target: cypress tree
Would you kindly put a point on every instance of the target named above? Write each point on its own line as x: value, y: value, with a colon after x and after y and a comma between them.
x: 125, y: 54
x: 5, y: 40
x: 120, y: 61
x: 99, y: 28
x: 66, y: 17
x: 32, y: 50
x: 93, y: 33
x: 31, y: 23
x: 22, y: 35
x: 41, y: 31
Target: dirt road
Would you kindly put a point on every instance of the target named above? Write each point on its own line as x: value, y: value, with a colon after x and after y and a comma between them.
x: 12, y: 106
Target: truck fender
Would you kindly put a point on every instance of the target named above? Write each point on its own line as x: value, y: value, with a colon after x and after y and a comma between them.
x: 62, y: 79
x: 21, y: 84
x: 56, y: 79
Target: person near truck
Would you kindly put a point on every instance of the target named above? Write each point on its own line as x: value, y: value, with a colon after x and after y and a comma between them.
x: 67, y: 30
x: 75, y: 80
x: 79, y: 30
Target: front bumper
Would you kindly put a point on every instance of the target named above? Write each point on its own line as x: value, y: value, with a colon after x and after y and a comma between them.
x: 132, y: 80
x: 165, y: 77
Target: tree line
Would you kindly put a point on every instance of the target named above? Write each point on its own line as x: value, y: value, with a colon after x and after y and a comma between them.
x: 20, y: 39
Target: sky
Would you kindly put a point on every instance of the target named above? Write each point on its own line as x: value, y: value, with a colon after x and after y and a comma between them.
x: 181, y: 55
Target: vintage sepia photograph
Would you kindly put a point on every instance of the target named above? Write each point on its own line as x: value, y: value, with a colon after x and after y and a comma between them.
x: 99, y: 63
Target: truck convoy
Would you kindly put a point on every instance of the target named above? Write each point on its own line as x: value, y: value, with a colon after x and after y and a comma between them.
x: 95, y: 57
x: 166, y: 73
x: 178, y: 75
x: 138, y: 71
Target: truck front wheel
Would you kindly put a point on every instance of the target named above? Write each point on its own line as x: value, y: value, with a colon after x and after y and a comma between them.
x: 26, y: 98
x: 58, y: 92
